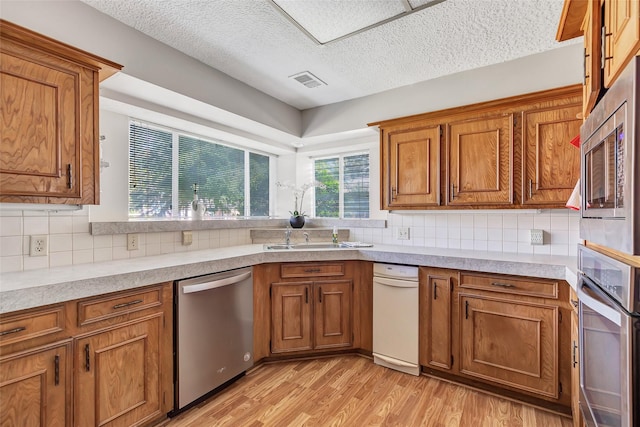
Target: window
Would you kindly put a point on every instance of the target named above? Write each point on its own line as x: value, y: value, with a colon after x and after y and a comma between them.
x: 347, y: 186
x: 165, y: 167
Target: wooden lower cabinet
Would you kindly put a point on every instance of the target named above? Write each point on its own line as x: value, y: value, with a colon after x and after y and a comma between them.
x: 436, y: 287
x: 35, y: 387
x: 510, y: 343
x: 311, y: 315
x: 118, y: 376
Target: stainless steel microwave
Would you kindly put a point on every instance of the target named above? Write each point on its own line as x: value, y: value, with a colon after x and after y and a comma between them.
x: 610, y: 166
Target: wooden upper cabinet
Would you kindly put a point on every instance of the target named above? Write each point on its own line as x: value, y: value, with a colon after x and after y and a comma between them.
x: 592, y: 56
x: 621, y: 36
x: 413, y: 174
x: 480, y: 161
x: 49, y: 100
x: 550, y: 165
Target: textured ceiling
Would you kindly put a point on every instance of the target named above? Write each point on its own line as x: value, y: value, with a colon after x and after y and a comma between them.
x: 253, y: 42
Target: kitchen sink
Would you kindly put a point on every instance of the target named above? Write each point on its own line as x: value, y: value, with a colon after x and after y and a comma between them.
x: 320, y: 245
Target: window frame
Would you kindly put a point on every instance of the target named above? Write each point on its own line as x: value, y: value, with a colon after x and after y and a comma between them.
x: 341, y: 162
x: 175, y: 149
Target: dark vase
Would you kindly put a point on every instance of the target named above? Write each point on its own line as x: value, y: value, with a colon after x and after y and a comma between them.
x: 297, y: 221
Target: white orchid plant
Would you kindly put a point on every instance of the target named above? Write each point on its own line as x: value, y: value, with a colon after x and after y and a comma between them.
x: 298, y: 193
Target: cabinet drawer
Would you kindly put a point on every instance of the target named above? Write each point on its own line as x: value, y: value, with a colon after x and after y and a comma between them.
x: 31, y: 324
x: 106, y: 307
x: 312, y: 270
x: 510, y: 285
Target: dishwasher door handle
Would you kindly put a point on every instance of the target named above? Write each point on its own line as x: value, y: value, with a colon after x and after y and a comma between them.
x: 200, y: 287
x: 395, y: 282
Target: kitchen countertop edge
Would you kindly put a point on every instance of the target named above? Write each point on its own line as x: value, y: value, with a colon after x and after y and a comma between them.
x: 35, y: 288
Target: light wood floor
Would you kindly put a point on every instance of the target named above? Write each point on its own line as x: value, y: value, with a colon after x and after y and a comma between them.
x: 352, y: 391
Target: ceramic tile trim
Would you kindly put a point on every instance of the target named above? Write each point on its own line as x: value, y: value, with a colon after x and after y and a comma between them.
x: 157, y: 225
x: 28, y: 289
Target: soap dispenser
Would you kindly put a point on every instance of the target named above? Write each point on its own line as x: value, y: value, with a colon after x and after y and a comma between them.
x: 335, y: 235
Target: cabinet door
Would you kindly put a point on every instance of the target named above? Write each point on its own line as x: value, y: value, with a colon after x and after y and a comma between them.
x: 550, y: 164
x: 621, y: 36
x: 35, y: 387
x: 480, y: 162
x: 291, y: 316
x: 414, y: 167
x: 592, y: 82
x: 40, y: 135
x: 510, y: 343
x: 332, y: 314
x: 118, y: 375
x: 435, y: 320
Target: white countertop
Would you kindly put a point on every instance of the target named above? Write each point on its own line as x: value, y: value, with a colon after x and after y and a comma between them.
x: 28, y: 289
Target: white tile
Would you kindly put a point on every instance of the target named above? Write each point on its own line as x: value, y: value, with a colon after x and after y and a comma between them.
x: 102, y: 242
x: 36, y: 225
x: 542, y: 222
x: 419, y: 242
x: 454, y: 233
x: 510, y: 235
x: 525, y: 248
x: 441, y: 221
x: 430, y: 232
x: 60, y: 225
x: 4, y: 213
x: 153, y: 250
x: 466, y: 233
x: 60, y: 259
x: 480, y: 245
x: 430, y: 220
x: 60, y: 243
x: 442, y: 243
x: 83, y: 256
x: 26, y: 241
x: 139, y: 253
x: 480, y: 234
x: 167, y: 247
x: 119, y: 240
x: 10, y: 263
x: 525, y: 222
x: 466, y: 220
x: 167, y: 237
x: 453, y: 220
x: 102, y: 254
x: 466, y: 244
x: 430, y: 243
x: 494, y: 220
x: 559, y: 237
x: 480, y: 220
x: 454, y: 243
x: 524, y: 236
x: 495, y: 246
x: 10, y: 246
x: 510, y: 221
x: 35, y: 213
x: 542, y: 250
x: 494, y: 234
x: 224, y: 242
x: 80, y: 224
x: 35, y: 263
x: 153, y: 238
x: 120, y: 253
x: 441, y: 233
x: 559, y: 249
x: 511, y: 247
x: 559, y: 222
x: 82, y: 241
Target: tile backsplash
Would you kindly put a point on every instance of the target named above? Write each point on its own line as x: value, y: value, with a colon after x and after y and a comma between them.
x: 71, y: 243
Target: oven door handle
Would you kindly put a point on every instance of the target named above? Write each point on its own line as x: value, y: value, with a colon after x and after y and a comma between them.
x: 590, y: 295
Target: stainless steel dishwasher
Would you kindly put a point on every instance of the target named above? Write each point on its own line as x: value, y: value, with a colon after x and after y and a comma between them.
x: 214, y: 333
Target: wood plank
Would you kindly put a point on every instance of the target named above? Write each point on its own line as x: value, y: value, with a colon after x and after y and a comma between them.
x: 352, y: 391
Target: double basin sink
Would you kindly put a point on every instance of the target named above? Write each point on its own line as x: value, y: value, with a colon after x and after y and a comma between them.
x: 320, y: 245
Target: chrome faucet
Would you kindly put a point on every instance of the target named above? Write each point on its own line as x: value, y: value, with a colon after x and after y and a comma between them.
x: 306, y: 237
x: 287, y: 236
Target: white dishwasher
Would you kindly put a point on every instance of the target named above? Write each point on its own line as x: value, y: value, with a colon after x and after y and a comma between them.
x: 395, y: 317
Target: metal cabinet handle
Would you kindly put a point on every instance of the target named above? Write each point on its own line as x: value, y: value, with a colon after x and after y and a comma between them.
x: 453, y: 191
x: 575, y: 347
x: 435, y: 291
x: 306, y: 295
x: 127, y: 304
x: 56, y: 370
x: 320, y: 293
x: 394, y: 193
x: 466, y: 309
x: 87, y: 358
x: 502, y: 285
x: 13, y: 331
x: 312, y: 270
x: 69, y: 176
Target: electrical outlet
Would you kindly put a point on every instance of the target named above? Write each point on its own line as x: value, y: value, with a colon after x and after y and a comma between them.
x: 187, y: 238
x: 38, y: 245
x: 537, y: 237
x: 133, y: 242
x: 402, y: 233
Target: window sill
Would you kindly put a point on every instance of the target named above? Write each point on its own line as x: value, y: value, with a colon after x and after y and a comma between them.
x: 161, y: 225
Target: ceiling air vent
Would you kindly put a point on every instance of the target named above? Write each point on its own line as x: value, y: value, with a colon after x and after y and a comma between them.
x: 308, y: 79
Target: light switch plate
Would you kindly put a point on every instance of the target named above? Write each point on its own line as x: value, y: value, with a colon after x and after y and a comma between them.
x: 187, y: 238
x: 402, y: 233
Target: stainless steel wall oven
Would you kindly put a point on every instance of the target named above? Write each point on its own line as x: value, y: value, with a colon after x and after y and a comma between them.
x: 610, y: 166
x: 609, y: 341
